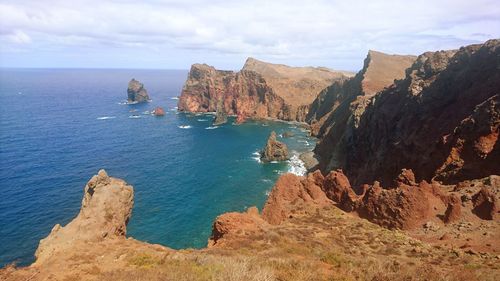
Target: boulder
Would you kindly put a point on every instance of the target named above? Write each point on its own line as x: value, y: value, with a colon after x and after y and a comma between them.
x: 485, y: 204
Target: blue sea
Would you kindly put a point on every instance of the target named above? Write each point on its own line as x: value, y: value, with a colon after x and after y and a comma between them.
x: 58, y: 127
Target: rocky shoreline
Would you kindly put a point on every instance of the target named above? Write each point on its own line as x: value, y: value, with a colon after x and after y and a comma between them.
x: 403, y: 185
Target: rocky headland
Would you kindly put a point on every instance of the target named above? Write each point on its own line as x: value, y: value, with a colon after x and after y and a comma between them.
x: 136, y: 92
x: 258, y: 90
x: 407, y: 185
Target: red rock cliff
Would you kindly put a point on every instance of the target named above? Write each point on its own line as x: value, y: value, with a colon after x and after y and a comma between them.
x: 259, y: 90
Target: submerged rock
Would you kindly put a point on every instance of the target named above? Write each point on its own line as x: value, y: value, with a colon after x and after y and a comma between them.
x: 136, y: 92
x: 274, y: 150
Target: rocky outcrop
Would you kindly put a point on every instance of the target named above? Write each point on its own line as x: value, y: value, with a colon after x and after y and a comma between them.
x: 258, y: 90
x: 106, y: 209
x: 407, y: 205
x: 159, y: 111
x: 236, y: 224
x: 136, y: 92
x: 442, y: 121
x: 291, y: 190
x: 274, y: 150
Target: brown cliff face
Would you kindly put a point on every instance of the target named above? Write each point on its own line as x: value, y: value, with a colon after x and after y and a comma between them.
x: 441, y: 121
x: 259, y: 90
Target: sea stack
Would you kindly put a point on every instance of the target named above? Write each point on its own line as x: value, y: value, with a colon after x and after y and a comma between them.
x: 274, y: 150
x: 220, y: 116
x: 136, y: 92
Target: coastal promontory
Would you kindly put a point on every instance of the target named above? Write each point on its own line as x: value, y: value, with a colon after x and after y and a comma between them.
x: 258, y: 90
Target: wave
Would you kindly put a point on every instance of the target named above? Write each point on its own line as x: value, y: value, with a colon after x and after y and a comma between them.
x: 106, y: 117
x: 256, y: 157
x: 184, y: 127
x: 296, y: 166
x: 304, y: 142
x: 174, y: 98
x: 147, y: 112
x: 134, y: 116
x: 211, y: 127
x: 201, y: 120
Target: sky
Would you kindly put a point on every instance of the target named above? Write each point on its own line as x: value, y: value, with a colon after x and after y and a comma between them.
x: 173, y: 34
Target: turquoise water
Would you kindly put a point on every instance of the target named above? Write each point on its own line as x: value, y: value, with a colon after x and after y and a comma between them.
x: 59, y: 127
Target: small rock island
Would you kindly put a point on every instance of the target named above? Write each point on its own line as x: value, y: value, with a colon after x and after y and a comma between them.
x: 274, y: 150
x: 136, y: 92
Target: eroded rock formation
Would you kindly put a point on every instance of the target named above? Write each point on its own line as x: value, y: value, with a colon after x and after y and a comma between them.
x: 258, y: 90
x: 274, y: 150
x: 106, y: 209
x: 136, y: 92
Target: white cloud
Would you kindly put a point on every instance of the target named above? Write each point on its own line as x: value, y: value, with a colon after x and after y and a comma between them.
x: 332, y: 33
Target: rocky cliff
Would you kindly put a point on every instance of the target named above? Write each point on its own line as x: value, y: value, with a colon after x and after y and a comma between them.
x: 334, y: 106
x: 258, y: 90
x: 300, y: 235
x: 442, y: 121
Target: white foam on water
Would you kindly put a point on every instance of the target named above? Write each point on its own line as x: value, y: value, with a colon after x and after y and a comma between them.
x: 211, y: 127
x: 147, y: 112
x: 256, y: 156
x: 174, y: 98
x: 184, y: 127
x: 266, y: 180
x: 296, y: 166
x: 106, y: 117
x: 201, y: 120
x: 134, y: 116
